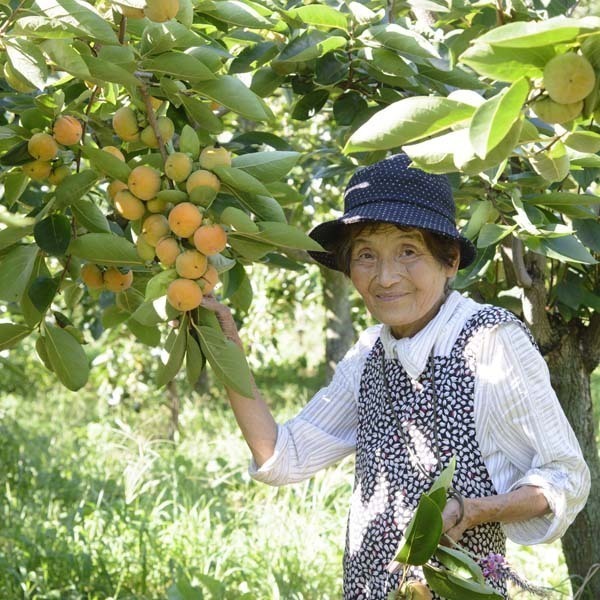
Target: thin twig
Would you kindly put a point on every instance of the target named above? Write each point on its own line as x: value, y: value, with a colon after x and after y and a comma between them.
x: 523, y: 277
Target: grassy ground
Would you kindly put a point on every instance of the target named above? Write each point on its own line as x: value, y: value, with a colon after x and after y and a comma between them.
x: 97, y: 505
x: 97, y: 502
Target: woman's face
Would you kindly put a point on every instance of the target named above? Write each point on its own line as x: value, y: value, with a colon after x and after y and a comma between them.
x: 401, y: 283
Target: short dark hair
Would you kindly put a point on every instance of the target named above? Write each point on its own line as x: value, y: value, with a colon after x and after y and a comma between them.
x: 444, y: 249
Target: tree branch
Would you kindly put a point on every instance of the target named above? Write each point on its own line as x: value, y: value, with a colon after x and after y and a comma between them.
x: 521, y: 273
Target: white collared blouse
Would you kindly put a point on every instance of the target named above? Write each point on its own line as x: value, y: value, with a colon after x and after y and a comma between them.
x: 523, y: 434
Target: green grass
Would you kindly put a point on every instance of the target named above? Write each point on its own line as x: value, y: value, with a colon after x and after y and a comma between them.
x: 98, y: 503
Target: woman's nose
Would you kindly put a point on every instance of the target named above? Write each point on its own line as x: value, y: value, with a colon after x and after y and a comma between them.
x: 388, y: 272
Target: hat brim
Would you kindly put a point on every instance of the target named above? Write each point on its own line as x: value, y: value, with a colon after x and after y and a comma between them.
x: 329, y: 234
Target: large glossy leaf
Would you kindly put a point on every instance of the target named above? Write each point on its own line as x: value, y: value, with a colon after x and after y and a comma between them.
x: 459, y: 563
x: 179, y: 65
x: 42, y: 291
x: 194, y: 360
x: 27, y: 60
x: 562, y: 198
x: 530, y: 34
x: 11, y: 334
x: 88, y: 215
x: 491, y: 234
x: 423, y: 533
x: 66, y: 58
x: 241, y: 180
x: 167, y: 371
x: 15, y: 270
x: 239, y: 13
x: 320, y: 15
x: 226, y: 359
x: 157, y: 286
x: 286, y: 236
x: 494, y: 118
x: 81, y: 16
x: 67, y: 357
x: 148, y: 335
x: 105, y: 249
x: 435, y: 155
x: 107, y: 163
x: 102, y: 71
x: 42, y: 27
x: 407, y: 120
x: 74, y: 187
x: 14, y: 186
x: 553, y: 164
x: 567, y: 248
x: 504, y: 64
x: 447, y: 585
x: 403, y: 40
x: 201, y: 113
x: 53, y: 234
x: 248, y: 248
x: 233, y: 94
x: 266, y: 166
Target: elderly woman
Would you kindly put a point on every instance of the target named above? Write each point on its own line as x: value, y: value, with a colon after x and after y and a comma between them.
x: 440, y: 376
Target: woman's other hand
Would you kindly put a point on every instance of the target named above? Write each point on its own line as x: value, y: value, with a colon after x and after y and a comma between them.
x: 224, y: 316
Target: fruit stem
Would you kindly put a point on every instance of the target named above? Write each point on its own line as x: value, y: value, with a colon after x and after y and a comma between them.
x: 153, y: 123
x: 88, y: 109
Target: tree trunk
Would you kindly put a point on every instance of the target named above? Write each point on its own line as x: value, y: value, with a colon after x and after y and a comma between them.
x: 339, y: 329
x: 571, y: 380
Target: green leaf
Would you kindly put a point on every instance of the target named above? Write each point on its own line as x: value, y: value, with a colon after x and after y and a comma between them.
x: 553, y: 165
x: 320, y: 15
x: 28, y: 61
x: 146, y: 334
x: 103, y: 71
x: 90, y: 216
x: 309, y: 105
x: 11, y: 334
x: 584, y: 141
x: 74, y: 187
x: 407, y: 120
x: 194, y: 360
x: 157, y: 286
x: 347, y: 106
x: 201, y: 113
x: 11, y: 235
x: 227, y: 360
x: 189, y: 142
x: 459, y: 563
x: 42, y: 291
x: 285, y: 236
x: 113, y: 316
x: 66, y: 58
x: 178, y: 65
x: 152, y: 312
x: 303, y: 48
x: 233, y: 94
x: 491, y: 234
x: 422, y: 535
x: 67, y: 357
x: 250, y: 249
x: 105, y: 249
x: 239, y: 13
x: 435, y: 155
x: 402, y: 40
x: 15, y: 270
x: 554, y: 199
x: 566, y: 249
x: 531, y: 34
x: 14, y: 186
x: 240, y: 180
x: 106, y: 163
x: 504, y: 64
x: 389, y: 62
x: 53, y: 234
x: 494, y: 118
x: 42, y: 27
x: 264, y: 207
x: 167, y: 371
x: 444, y: 479
x: 81, y: 16
x: 266, y: 166
x: 450, y: 587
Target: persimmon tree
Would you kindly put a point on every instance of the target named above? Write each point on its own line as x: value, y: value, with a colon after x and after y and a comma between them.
x: 152, y: 150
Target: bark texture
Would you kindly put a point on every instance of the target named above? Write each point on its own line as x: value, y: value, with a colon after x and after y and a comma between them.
x: 572, y: 351
x: 339, y: 328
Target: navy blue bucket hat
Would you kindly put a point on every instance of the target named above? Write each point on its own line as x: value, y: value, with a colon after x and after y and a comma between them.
x: 391, y: 192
